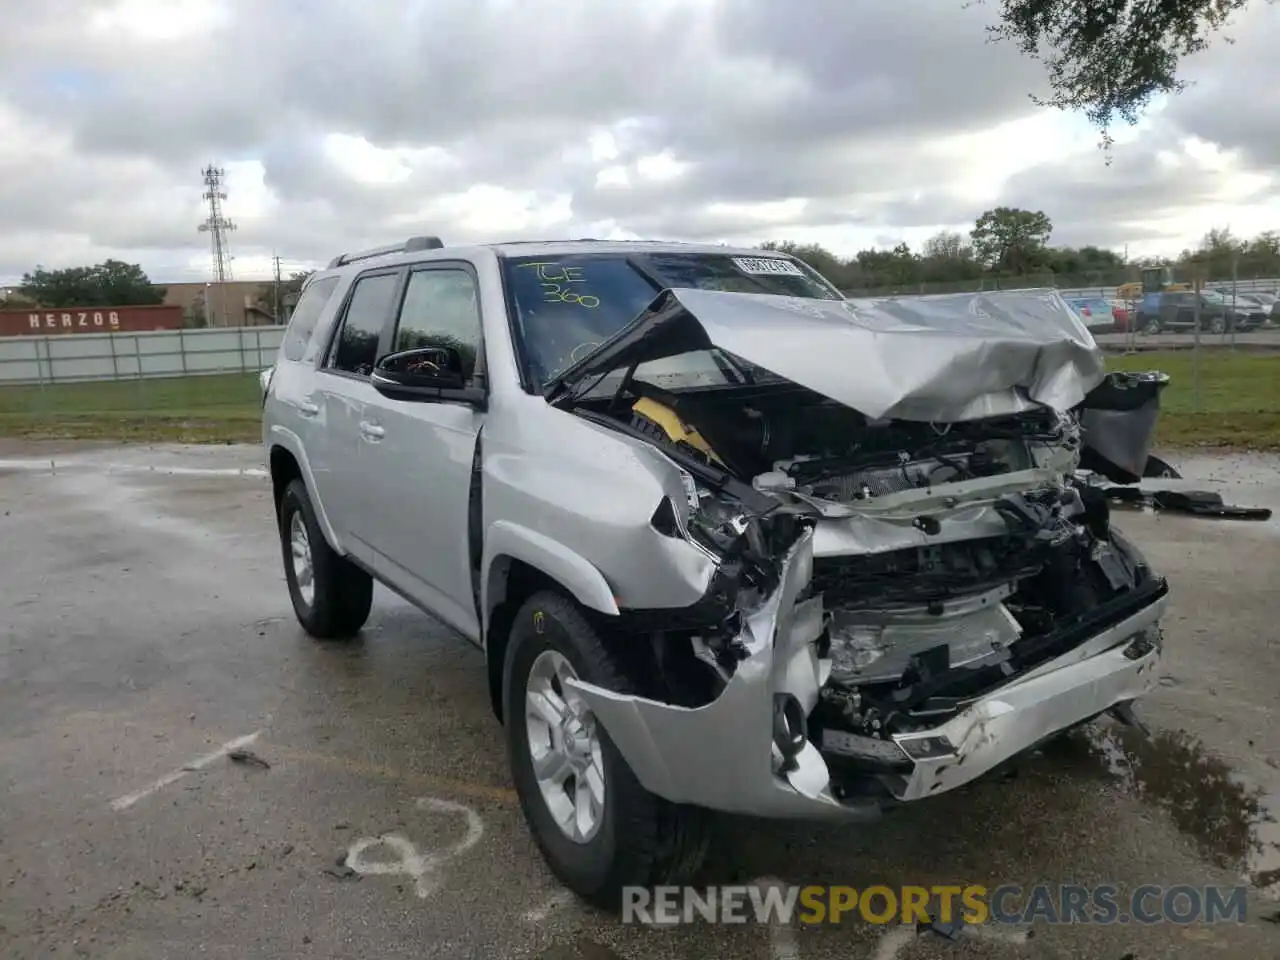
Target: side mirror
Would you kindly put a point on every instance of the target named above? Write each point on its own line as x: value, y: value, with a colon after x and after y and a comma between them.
x: 426, y: 375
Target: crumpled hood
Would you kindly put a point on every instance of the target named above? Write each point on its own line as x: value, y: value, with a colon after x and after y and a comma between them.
x: 950, y: 357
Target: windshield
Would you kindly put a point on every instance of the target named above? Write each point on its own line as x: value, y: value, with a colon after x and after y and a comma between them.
x: 567, y: 305
x: 1212, y: 297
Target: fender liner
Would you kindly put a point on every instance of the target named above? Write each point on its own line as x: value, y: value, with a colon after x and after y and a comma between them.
x: 571, y: 570
x: 287, y: 440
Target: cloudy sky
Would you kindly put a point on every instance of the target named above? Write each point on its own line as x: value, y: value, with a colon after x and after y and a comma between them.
x: 344, y: 124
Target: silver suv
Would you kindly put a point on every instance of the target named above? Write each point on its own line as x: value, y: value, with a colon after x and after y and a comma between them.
x: 729, y: 541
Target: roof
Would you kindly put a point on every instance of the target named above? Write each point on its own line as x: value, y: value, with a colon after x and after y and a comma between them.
x: 559, y: 247
x: 389, y: 256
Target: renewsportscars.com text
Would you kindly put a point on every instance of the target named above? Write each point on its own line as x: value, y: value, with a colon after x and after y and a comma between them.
x: 971, y: 904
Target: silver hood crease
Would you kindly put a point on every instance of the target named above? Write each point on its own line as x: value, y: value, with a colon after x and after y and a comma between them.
x: 951, y: 357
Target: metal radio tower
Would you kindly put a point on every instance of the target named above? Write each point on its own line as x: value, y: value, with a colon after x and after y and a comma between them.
x: 217, y: 226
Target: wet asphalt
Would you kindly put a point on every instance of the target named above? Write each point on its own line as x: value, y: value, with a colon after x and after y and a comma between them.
x: 147, y: 632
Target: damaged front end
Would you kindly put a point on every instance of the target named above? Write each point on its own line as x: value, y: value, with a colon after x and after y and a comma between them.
x: 900, y: 604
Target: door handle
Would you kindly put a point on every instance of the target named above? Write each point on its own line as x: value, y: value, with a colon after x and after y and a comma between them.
x: 308, y: 409
x: 372, y: 430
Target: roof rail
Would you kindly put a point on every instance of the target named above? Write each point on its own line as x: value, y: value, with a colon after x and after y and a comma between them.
x: 409, y: 246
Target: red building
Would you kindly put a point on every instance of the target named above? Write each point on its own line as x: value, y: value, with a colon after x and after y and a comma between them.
x: 44, y: 321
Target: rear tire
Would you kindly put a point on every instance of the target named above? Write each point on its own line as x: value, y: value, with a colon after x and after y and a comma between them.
x: 1150, y: 325
x: 331, y: 596
x: 638, y: 839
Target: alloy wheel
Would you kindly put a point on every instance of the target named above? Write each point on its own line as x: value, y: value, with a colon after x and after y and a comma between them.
x: 564, y: 745
x: 303, y: 570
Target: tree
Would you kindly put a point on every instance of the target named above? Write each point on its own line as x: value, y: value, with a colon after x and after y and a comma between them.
x: 12, y: 300
x: 1108, y: 58
x: 1089, y: 264
x: 948, y: 257
x: 1219, y: 252
x: 947, y: 245
x: 898, y: 267
x: 1261, y: 257
x: 111, y: 283
x: 1009, y: 240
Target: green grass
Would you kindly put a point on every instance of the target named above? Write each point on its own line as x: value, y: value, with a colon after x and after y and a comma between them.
x: 1239, y: 405
x: 218, y: 408
x: 1239, y: 398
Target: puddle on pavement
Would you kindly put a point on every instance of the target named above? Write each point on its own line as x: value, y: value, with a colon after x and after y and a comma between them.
x: 1234, y: 822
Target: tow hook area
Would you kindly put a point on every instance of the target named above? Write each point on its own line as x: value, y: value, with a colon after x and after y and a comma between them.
x: 790, y: 729
x: 1124, y: 713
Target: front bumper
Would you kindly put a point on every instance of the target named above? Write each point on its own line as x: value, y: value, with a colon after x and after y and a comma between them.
x: 721, y: 756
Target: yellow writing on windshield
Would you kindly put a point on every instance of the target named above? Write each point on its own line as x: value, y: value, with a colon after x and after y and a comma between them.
x: 557, y: 283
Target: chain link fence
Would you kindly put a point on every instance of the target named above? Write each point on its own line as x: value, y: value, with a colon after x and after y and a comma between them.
x: 203, y: 384
x: 1105, y: 287
x: 1186, y: 341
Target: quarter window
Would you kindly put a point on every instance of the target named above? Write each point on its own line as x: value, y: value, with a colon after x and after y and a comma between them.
x: 357, y: 348
x: 441, y: 309
x: 306, y: 314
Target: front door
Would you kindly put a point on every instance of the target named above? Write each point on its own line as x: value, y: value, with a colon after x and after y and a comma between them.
x: 420, y: 458
x: 1186, y: 316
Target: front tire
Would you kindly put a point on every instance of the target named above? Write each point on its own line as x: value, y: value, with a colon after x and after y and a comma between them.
x: 1161, y: 469
x: 331, y: 596
x: 598, y: 829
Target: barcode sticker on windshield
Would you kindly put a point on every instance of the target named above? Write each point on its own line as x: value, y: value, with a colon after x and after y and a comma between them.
x: 767, y: 266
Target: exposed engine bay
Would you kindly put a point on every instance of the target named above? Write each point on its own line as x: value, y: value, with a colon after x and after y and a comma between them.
x: 957, y: 556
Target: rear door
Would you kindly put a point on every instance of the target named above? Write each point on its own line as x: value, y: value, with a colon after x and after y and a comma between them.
x: 361, y: 336
x: 294, y: 399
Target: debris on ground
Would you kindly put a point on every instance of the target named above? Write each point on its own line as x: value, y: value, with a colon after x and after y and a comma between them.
x: 949, y: 930
x: 1205, y: 503
x: 1199, y: 503
x: 241, y: 755
x: 340, y: 870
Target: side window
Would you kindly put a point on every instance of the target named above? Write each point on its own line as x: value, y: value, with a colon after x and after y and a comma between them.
x: 305, y: 317
x: 441, y: 309
x: 356, y: 349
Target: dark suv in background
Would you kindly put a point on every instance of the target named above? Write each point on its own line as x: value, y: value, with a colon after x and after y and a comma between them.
x: 1177, y: 311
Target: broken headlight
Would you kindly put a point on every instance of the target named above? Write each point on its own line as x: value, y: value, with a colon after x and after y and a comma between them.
x: 709, y: 520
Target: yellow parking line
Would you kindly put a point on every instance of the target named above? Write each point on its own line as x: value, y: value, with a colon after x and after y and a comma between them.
x: 482, y: 791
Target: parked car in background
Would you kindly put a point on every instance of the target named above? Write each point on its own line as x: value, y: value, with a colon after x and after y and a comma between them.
x: 1258, y: 307
x: 1120, y: 311
x: 1177, y: 311
x: 1273, y: 306
x: 1098, y: 314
